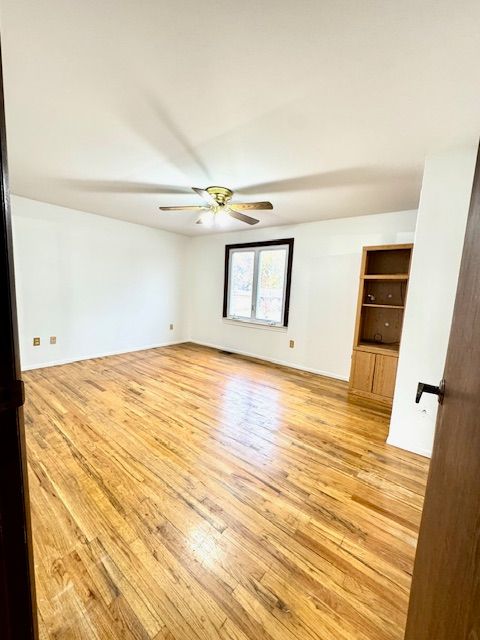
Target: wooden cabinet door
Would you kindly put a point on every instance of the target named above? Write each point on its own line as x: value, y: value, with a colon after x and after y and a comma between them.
x: 385, y: 375
x: 363, y: 367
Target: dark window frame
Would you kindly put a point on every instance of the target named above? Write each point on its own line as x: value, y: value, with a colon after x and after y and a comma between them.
x: 266, y: 243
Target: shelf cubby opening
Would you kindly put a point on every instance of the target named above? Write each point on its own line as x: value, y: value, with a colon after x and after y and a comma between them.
x: 391, y: 261
x: 381, y: 326
x: 383, y: 292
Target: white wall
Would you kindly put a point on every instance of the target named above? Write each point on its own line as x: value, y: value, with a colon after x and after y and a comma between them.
x: 439, y: 238
x: 326, y: 267
x: 100, y: 285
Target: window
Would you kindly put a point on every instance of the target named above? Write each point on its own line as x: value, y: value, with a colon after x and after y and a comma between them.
x: 257, y: 282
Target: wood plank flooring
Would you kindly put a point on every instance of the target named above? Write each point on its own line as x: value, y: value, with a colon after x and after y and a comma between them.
x: 186, y: 494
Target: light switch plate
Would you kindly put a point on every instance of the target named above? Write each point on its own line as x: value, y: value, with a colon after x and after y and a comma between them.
x: 53, y: 339
x: 36, y: 342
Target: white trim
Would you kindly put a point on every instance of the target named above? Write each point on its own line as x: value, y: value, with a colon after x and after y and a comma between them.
x: 283, y: 363
x: 255, y: 325
x: 104, y: 354
x: 407, y: 446
x: 252, y: 321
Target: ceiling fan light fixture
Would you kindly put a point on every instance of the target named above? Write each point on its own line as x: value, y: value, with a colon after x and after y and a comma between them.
x: 208, y: 218
x: 221, y: 218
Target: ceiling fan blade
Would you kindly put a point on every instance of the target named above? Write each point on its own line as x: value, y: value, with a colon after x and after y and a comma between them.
x: 250, y: 206
x: 203, y: 193
x: 194, y: 207
x: 240, y: 216
x: 347, y: 177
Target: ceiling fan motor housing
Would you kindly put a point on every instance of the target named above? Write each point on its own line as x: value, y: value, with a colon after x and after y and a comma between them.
x: 221, y: 194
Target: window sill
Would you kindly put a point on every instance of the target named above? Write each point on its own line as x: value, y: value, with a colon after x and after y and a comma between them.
x: 255, y: 325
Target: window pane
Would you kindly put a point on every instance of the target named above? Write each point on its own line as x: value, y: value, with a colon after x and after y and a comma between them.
x: 241, y: 284
x: 271, y: 284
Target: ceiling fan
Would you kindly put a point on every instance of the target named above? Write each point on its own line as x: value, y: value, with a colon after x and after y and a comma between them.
x: 217, y: 206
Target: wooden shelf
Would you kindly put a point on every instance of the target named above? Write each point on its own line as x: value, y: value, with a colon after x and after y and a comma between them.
x: 378, y: 347
x: 383, y: 306
x: 386, y: 276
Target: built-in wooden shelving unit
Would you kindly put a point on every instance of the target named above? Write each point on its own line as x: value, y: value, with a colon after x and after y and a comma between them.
x: 381, y: 303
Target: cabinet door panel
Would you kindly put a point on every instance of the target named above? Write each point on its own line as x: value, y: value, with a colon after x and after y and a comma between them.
x: 363, y: 367
x: 385, y: 375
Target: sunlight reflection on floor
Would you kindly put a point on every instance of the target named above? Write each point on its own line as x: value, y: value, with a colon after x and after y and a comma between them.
x: 251, y: 413
x: 202, y: 543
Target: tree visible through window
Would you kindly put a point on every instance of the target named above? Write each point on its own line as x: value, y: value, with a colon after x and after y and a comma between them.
x: 241, y: 290
x: 257, y: 282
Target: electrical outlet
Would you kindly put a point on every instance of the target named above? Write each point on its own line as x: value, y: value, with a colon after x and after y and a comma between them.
x: 292, y: 344
x: 36, y: 342
x: 171, y: 327
x: 53, y: 339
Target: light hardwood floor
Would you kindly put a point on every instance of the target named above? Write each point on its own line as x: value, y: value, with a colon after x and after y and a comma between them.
x: 183, y: 493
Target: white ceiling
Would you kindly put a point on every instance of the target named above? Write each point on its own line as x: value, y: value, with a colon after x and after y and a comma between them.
x: 111, y: 102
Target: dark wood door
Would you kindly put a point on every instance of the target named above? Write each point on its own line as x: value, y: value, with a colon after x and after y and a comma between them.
x: 445, y: 596
x: 17, y: 597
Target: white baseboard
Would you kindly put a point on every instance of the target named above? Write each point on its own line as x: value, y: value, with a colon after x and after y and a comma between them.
x: 103, y: 354
x: 283, y: 363
x: 406, y: 446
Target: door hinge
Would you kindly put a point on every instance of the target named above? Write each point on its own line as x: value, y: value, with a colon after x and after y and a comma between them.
x: 12, y: 396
